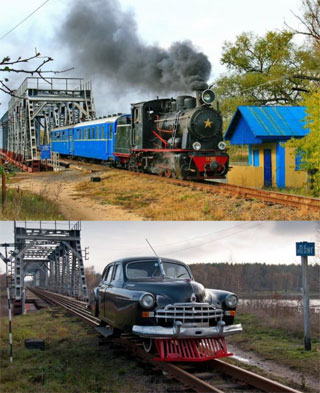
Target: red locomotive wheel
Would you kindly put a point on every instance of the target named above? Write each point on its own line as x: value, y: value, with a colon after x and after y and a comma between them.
x: 167, y: 173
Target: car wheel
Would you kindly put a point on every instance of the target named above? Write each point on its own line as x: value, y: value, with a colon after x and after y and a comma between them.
x: 149, y: 345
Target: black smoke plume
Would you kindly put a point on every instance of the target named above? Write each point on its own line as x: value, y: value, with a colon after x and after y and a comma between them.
x: 102, y: 40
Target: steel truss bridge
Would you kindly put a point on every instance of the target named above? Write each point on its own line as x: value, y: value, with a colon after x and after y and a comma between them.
x: 51, y: 253
x: 39, y: 105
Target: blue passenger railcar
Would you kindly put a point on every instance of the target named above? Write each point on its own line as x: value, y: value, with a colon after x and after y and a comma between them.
x: 90, y: 139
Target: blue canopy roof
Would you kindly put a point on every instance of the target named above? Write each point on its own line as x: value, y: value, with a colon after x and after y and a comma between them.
x: 258, y: 124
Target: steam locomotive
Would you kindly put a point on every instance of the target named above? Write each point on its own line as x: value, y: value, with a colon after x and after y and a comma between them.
x: 179, y: 137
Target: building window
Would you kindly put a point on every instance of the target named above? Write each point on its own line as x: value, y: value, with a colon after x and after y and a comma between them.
x: 298, y: 162
x: 256, y: 158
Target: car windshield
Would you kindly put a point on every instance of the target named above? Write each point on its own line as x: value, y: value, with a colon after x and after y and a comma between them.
x: 153, y: 270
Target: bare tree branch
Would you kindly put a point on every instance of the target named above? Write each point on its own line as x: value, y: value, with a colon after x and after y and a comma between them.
x: 310, y: 20
x: 8, y: 65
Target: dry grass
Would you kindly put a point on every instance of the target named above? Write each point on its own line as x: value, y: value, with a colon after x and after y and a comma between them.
x: 25, y: 205
x: 272, y: 313
x: 275, y: 331
x: 156, y: 200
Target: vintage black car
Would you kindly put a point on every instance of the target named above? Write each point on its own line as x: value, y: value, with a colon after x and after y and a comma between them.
x: 158, y: 299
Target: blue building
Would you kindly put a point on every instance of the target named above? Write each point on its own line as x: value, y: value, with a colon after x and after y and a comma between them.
x: 265, y: 130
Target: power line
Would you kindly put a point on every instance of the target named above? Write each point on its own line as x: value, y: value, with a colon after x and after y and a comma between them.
x: 215, y: 240
x: 23, y: 20
x: 244, y: 226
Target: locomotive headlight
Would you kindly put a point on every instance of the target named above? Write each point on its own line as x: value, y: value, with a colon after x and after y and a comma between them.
x: 222, y: 145
x: 147, y: 301
x: 196, y: 145
x: 231, y: 301
x: 208, y: 96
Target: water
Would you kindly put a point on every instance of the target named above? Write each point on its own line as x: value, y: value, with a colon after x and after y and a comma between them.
x: 314, y: 303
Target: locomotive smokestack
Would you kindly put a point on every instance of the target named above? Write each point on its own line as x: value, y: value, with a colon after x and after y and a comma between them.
x: 198, y: 98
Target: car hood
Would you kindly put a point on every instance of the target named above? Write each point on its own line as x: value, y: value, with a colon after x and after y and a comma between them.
x: 175, y: 291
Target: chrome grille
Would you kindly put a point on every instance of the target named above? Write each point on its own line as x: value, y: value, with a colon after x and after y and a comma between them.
x: 188, y: 313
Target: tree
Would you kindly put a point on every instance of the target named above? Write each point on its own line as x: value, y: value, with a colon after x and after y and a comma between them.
x: 309, y: 146
x: 263, y: 71
x: 93, y: 278
x: 7, y: 65
x: 310, y: 21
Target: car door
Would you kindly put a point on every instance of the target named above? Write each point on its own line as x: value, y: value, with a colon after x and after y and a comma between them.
x: 103, y: 287
x: 114, y: 296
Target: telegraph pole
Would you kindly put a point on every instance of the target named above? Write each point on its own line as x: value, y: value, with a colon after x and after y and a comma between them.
x: 305, y: 249
x: 4, y: 189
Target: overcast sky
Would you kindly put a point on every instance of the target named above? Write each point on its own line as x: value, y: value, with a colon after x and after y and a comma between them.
x: 249, y: 241
x: 207, y: 23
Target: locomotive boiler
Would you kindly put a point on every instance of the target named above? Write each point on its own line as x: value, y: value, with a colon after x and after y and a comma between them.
x: 179, y: 137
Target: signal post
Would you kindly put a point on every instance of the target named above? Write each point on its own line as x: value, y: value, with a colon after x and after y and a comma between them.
x: 305, y: 249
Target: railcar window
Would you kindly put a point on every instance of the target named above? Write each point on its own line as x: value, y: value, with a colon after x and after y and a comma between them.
x: 102, y: 132
x: 110, y: 131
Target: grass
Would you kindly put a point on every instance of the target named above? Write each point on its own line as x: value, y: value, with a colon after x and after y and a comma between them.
x: 24, y: 205
x: 73, y: 360
x: 276, y: 333
x: 154, y: 200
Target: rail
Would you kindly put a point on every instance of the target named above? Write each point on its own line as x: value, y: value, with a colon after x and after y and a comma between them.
x: 246, y: 192
x: 190, y: 377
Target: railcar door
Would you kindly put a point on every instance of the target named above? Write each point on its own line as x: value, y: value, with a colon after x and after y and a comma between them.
x: 70, y: 141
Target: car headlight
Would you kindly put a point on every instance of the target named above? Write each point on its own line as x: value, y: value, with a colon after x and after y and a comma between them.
x: 231, y: 301
x: 147, y: 301
x: 196, y: 145
x: 222, y: 145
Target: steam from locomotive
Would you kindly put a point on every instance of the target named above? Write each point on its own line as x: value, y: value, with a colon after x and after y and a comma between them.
x: 104, y: 41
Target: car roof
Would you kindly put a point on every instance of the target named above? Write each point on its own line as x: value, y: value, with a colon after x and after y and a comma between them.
x: 144, y: 258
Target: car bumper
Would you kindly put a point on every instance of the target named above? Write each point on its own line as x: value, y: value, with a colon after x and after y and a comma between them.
x: 179, y: 331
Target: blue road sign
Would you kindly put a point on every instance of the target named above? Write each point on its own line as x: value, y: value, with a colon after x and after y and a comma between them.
x: 305, y: 249
x: 45, y: 152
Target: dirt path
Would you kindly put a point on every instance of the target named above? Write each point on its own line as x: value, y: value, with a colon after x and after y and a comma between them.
x: 279, y: 370
x: 60, y: 188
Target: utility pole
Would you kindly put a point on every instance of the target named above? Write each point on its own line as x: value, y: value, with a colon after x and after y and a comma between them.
x: 6, y: 260
x: 4, y: 188
x: 305, y: 249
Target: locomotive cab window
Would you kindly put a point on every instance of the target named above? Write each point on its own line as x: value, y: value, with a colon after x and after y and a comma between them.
x: 149, y: 112
x: 137, y: 115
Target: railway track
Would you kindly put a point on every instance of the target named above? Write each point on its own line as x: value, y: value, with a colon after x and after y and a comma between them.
x: 246, y: 192
x: 213, y: 187
x: 214, y: 376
